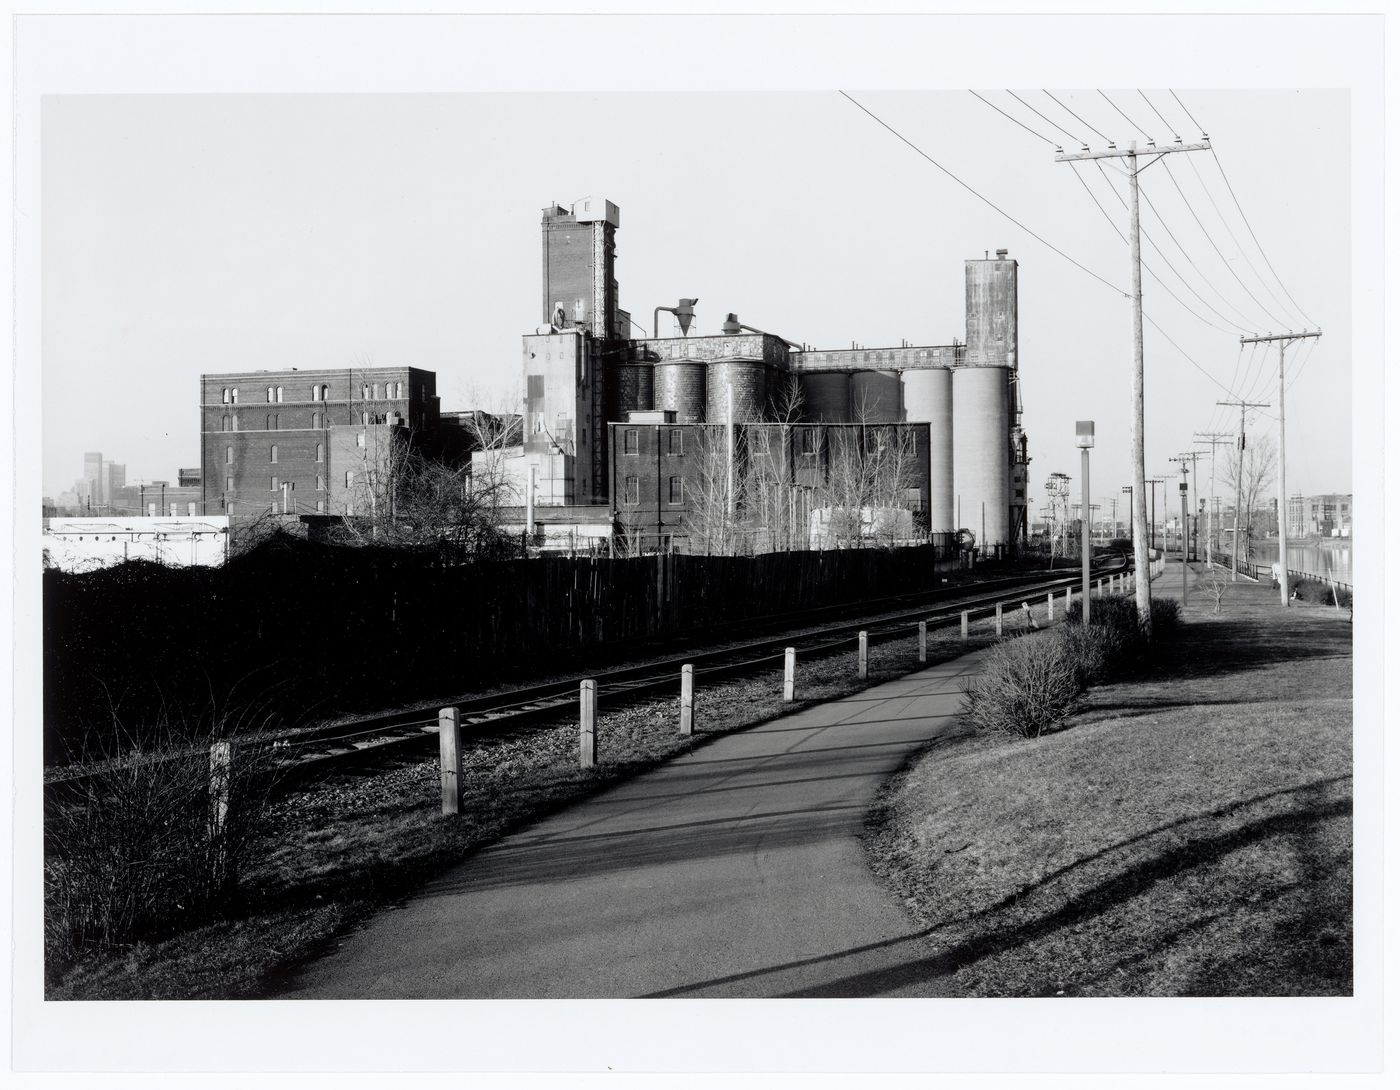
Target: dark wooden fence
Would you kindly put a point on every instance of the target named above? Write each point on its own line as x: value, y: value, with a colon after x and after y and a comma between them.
x: 302, y: 630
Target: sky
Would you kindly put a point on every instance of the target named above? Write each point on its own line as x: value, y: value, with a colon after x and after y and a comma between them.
x: 189, y: 233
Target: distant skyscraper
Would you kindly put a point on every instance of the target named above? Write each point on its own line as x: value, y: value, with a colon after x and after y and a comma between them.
x: 96, y: 493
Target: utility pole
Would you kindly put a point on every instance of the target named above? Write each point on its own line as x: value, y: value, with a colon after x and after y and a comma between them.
x: 1191, y: 456
x: 1239, y: 484
x: 1215, y: 439
x: 1284, y: 340
x: 1128, y: 489
x: 1142, y: 581
x: 1152, y: 526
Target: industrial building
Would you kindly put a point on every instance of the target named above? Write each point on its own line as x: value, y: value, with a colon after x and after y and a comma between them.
x: 310, y: 442
x: 584, y: 375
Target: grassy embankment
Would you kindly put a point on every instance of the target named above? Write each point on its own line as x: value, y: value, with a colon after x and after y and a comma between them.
x: 333, y: 853
x: 1188, y: 832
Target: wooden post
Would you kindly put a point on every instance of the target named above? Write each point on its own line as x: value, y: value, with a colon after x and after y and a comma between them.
x: 450, y: 759
x: 789, y: 674
x: 587, y: 717
x: 1069, y: 599
x: 687, y: 699
x: 923, y: 641
x: 862, y: 656
x: 998, y: 619
x: 1050, y: 607
x: 964, y: 624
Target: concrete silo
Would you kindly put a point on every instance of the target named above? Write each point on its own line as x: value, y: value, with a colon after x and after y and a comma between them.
x: 875, y: 397
x: 679, y: 385
x: 826, y: 397
x: 981, y: 454
x: 630, y: 389
x: 749, y: 381
x: 928, y: 398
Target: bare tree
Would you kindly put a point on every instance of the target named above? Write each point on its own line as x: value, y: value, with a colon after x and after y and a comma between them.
x: 711, y: 520
x: 1253, y: 474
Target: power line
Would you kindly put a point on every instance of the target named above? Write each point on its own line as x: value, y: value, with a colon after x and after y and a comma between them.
x: 1170, y: 127
x: 1240, y: 208
x: 1074, y: 115
x: 1252, y: 235
x: 1184, y: 353
x: 1126, y: 118
x: 1040, y: 115
x: 1225, y: 223
x: 1303, y: 363
x: 1193, y: 121
x: 1223, y: 259
x: 983, y: 199
x: 998, y: 109
x: 1152, y: 242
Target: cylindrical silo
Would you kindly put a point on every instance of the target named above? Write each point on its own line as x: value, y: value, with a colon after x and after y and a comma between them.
x: 631, y: 390
x: 875, y: 397
x: 826, y: 397
x: 749, y: 380
x: 679, y: 385
x: 981, y: 454
x: 928, y: 398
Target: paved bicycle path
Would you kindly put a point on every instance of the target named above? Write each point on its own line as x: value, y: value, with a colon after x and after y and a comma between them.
x: 736, y: 870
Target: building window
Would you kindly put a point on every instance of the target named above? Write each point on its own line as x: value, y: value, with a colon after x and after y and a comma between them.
x: 224, y: 423
x: 364, y: 419
x: 316, y: 393
x: 632, y: 492
x: 228, y: 484
x: 315, y: 420
x: 273, y: 458
x: 677, y: 489
x: 320, y: 507
x: 629, y: 443
x: 349, y: 477
x: 809, y: 441
x: 375, y: 389
x: 269, y: 421
x: 360, y: 439
x: 320, y: 452
x: 677, y: 441
x: 398, y: 389
x: 279, y: 393
x: 228, y: 456
x: 325, y: 393
x: 234, y: 395
x: 269, y: 395
x: 235, y: 421
x: 225, y: 395
x: 320, y: 483
x: 274, y: 484
x: 364, y: 391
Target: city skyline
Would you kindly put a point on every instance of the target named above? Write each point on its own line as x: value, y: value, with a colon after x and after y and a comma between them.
x: 200, y: 234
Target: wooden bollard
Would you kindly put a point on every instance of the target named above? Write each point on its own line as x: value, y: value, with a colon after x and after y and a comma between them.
x: 1050, y: 607
x: 998, y: 618
x: 450, y: 759
x: 587, y: 718
x: 862, y: 656
x: 964, y: 624
x: 1099, y: 588
x: 789, y: 674
x: 923, y: 641
x: 1069, y: 599
x: 687, y: 699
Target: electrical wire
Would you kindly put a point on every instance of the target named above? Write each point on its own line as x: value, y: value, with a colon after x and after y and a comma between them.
x: 1152, y: 242
x: 1184, y: 353
x: 1170, y: 127
x: 1312, y: 344
x: 1074, y: 115
x: 1126, y: 118
x: 1044, y: 242
x: 998, y: 109
x: 1040, y: 115
x: 1193, y: 121
x: 1272, y: 317
x: 1146, y: 267
x: 1225, y: 223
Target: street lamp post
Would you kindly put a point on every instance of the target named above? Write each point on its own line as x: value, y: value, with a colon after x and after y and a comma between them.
x: 1084, y: 436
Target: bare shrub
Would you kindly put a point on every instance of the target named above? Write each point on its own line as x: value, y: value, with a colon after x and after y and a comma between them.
x: 138, y: 843
x: 1026, y: 687
x: 1214, y: 583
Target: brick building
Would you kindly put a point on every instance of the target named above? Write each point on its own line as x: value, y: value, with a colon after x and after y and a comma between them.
x: 309, y: 442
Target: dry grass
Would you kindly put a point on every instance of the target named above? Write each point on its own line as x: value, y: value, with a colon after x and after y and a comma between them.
x: 356, y: 843
x: 1189, y: 833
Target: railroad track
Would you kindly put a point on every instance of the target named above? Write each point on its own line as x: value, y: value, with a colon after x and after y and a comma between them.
x: 310, y: 752
x: 366, y: 740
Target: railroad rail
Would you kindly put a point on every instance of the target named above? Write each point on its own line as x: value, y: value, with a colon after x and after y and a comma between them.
x: 305, y: 753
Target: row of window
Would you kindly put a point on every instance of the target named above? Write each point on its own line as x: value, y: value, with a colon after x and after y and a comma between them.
x: 272, y: 452
x: 759, y: 440
x: 321, y: 392
x: 273, y: 421
x: 632, y: 495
